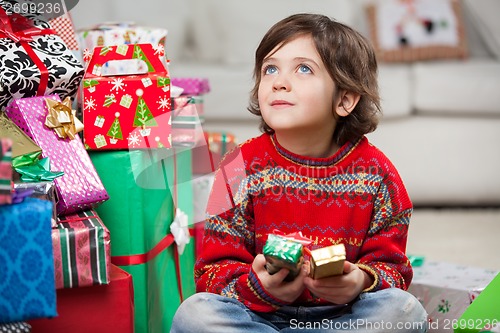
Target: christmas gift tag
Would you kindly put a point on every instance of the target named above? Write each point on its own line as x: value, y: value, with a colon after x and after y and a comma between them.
x: 126, y: 99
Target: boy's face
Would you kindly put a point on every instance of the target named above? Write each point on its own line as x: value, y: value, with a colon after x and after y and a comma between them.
x: 296, y: 93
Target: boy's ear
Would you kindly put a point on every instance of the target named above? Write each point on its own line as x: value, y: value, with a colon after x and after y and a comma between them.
x: 346, y: 103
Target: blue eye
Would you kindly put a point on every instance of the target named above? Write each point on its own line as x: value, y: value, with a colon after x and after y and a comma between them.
x: 304, y: 69
x: 268, y: 70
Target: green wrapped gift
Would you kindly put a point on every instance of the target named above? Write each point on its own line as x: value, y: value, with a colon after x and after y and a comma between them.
x: 483, y: 315
x: 138, y: 215
x: 281, y: 252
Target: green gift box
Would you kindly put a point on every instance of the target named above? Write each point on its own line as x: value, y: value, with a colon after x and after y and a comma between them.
x: 483, y: 315
x: 141, y: 208
x: 281, y: 252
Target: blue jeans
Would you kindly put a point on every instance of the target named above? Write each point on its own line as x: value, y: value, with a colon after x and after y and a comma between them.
x: 388, y: 310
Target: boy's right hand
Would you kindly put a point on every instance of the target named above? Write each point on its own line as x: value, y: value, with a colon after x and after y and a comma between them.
x: 275, y: 284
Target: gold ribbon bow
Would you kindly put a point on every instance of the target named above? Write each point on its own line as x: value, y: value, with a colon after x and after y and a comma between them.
x: 61, y: 118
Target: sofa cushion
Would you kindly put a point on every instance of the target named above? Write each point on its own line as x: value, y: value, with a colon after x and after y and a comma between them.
x: 395, y: 85
x: 407, y: 31
x: 460, y: 87
x: 229, y: 31
x: 444, y: 160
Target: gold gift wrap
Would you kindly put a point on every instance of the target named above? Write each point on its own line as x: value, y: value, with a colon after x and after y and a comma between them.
x: 327, y: 261
x: 22, y: 144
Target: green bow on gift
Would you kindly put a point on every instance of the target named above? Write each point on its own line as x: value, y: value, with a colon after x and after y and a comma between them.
x: 416, y: 261
x: 33, y: 169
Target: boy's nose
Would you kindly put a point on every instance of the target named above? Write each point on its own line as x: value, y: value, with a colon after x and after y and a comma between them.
x: 281, y: 83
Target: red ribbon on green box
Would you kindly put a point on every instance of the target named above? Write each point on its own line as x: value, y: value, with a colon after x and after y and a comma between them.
x: 138, y: 214
x: 138, y: 259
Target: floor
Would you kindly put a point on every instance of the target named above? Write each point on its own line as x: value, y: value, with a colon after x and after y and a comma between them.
x: 462, y: 236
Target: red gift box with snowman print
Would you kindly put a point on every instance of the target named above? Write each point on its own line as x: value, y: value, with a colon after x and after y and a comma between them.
x: 126, y: 99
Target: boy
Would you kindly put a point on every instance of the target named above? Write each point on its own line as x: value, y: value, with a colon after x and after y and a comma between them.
x: 313, y: 171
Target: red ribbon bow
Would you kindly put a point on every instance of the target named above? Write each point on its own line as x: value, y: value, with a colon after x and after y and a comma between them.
x: 163, y: 244
x: 20, y: 29
x: 294, y: 236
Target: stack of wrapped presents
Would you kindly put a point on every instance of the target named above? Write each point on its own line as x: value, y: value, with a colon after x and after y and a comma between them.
x: 96, y: 195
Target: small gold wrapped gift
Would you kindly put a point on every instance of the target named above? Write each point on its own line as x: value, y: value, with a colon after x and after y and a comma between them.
x: 327, y: 261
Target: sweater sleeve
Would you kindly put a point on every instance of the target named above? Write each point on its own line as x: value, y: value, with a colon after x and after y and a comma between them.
x: 224, y: 265
x: 383, y: 253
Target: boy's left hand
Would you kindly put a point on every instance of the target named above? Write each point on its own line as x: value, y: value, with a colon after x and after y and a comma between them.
x: 340, y: 289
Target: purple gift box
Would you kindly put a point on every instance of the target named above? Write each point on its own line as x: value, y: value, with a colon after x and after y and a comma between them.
x: 191, y: 85
x: 80, y: 188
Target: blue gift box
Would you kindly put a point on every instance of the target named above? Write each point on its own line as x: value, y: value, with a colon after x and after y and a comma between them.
x: 27, y: 285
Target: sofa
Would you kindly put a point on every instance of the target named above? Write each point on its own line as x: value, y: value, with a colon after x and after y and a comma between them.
x: 441, y: 117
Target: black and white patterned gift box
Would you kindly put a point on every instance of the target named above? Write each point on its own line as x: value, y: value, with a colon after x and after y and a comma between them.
x: 34, y: 61
x: 18, y: 327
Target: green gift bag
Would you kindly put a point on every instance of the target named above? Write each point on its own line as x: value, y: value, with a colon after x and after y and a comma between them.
x: 145, y: 188
x: 483, y: 315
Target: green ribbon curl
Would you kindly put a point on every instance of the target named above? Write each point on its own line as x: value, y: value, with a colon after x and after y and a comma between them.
x: 33, y: 169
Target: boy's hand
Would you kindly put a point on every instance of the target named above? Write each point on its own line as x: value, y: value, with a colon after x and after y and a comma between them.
x: 343, y: 288
x: 275, y: 284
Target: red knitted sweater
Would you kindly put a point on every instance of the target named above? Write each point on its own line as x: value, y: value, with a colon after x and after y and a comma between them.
x: 356, y: 197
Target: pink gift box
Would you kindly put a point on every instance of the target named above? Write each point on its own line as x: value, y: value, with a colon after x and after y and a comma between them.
x: 5, y: 171
x: 80, y: 188
x: 192, y: 85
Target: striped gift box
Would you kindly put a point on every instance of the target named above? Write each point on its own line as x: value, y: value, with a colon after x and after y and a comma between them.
x: 5, y: 171
x: 81, y: 246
